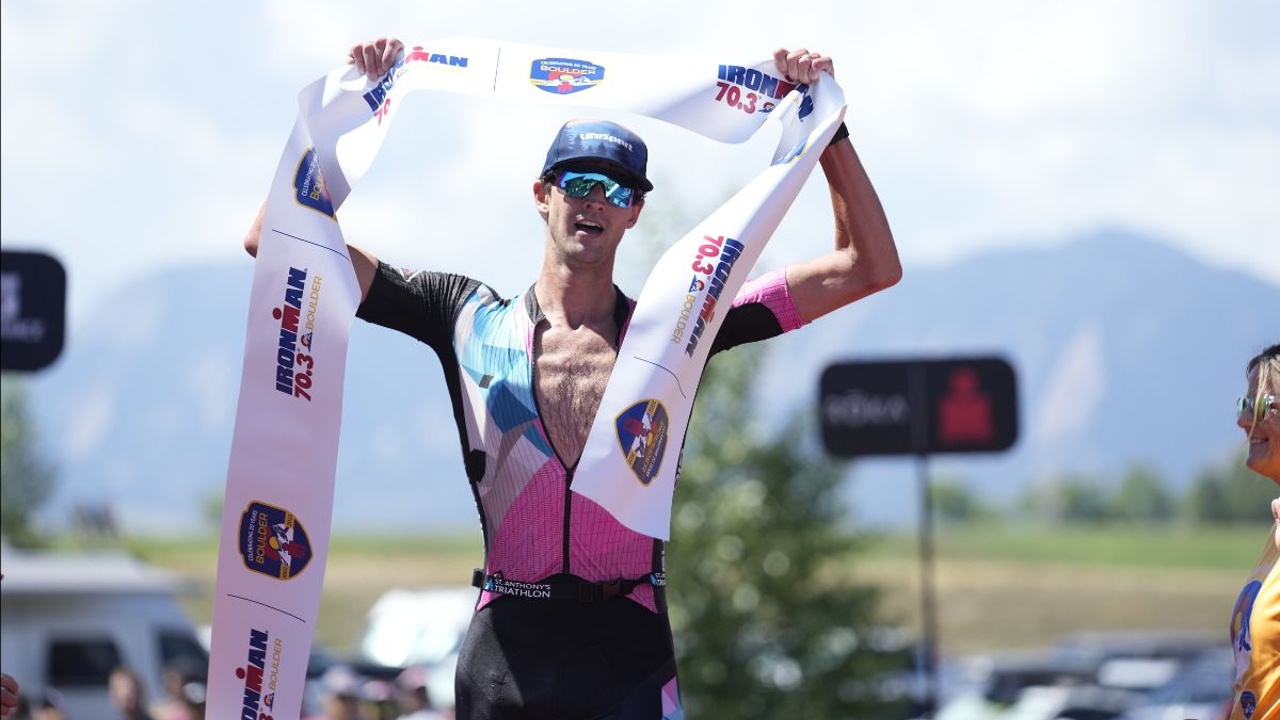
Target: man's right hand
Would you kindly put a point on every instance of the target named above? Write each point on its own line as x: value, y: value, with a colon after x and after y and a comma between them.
x: 376, y: 57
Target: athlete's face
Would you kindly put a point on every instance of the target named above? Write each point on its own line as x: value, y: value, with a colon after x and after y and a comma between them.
x: 1261, y: 424
x: 584, y: 231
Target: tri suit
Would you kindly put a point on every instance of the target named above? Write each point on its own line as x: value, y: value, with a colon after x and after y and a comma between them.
x: 571, y: 619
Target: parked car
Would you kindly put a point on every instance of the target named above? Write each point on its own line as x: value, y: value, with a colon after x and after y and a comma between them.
x: 1071, y: 702
x: 1084, y: 676
x: 68, y: 619
x: 996, y: 681
x: 1201, y: 689
x: 1117, y: 655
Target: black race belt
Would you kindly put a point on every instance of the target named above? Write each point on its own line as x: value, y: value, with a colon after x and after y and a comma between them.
x: 579, y: 590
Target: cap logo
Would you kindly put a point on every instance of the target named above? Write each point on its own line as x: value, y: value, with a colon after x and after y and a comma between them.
x: 608, y: 138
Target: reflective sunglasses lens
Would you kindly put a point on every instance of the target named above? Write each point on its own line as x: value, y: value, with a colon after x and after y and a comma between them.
x: 1257, y: 407
x: 575, y: 185
x: 580, y: 185
x: 619, y: 195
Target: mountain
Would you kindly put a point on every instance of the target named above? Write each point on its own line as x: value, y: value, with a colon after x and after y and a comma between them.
x: 1125, y: 350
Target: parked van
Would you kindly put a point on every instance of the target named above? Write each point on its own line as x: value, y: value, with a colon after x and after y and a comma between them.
x: 66, y: 620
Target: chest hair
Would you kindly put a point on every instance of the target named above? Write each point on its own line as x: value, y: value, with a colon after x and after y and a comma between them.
x: 571, y: 372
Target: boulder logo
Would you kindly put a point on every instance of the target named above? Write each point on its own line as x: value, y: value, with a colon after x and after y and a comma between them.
x: 562, y: 76
x: 273, y: 541
x: 309, y: 186
x: 642, y: 437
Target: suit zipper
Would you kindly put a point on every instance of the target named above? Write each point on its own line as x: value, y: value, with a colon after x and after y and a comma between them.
x: 568, y: 504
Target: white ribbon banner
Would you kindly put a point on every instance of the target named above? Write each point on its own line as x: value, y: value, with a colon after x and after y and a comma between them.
x: 279, y: 494
x: 630, y: 460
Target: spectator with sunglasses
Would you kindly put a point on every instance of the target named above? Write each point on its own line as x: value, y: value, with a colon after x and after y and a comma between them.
x: 1255, y: 621
x: 571, y: 618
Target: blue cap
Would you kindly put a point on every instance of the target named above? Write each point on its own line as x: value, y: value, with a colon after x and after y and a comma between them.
x: 605, y: 142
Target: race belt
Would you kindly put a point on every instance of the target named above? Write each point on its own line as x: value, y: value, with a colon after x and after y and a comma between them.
x: 567, y: 589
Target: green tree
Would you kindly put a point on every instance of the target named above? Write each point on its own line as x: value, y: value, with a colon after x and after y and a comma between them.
x: 954, y: 502
x: 1230, y: 493
x: 1247, y: 494
x: 1203, y: 503
x: 26, y: 478
x: 1068, y: 499
x: 1144, y: 497
x: 760, y: 631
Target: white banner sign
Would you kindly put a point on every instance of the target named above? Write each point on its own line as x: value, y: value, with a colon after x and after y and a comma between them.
x: 279, y: 494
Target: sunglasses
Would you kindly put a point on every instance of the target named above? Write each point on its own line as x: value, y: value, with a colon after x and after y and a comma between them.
x: 1257, y: 407
x: 580, y: 185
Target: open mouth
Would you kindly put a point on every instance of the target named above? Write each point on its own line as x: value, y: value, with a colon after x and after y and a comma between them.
x: 588, y: 226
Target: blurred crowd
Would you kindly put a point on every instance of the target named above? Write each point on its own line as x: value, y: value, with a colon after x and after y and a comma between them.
x: 184, y: 698
x: 340, y: 693
x: 343, y: 694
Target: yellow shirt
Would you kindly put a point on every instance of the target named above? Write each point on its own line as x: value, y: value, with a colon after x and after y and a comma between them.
x: 1255, y: 636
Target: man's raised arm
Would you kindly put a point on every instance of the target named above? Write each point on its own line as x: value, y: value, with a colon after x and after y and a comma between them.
x: 373, y: 59
x: 865, y: 259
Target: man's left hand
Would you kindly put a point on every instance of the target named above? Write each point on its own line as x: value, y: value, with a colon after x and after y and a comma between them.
x: 803, y: 65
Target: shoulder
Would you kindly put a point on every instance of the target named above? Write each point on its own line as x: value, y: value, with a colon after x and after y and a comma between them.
x: 390, y: 278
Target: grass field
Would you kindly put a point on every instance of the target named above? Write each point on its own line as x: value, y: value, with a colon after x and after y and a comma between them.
x: 1023, y: 587
x: 996, y: 587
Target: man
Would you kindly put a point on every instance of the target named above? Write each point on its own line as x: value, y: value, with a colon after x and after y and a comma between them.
x: 571, y: 621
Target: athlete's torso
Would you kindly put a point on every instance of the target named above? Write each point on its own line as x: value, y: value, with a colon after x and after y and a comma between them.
x: 534, y: 526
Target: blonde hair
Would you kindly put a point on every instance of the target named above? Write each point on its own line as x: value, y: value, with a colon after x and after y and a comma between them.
x: 1267, y: 363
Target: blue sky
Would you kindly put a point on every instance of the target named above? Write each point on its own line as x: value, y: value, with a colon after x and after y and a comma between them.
x: 140, y: 135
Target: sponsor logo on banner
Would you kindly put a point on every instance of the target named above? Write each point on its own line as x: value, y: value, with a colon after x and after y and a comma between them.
x: 308, y: 183
x: 260, y: 673
x: 751, y: 91
x: 564, y: 75
x: 696, y: 286
x: 273, y: 542
x: 712, y: 266
x: 642, y: 437
x: 294, y: 363
x: 377, y: 98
